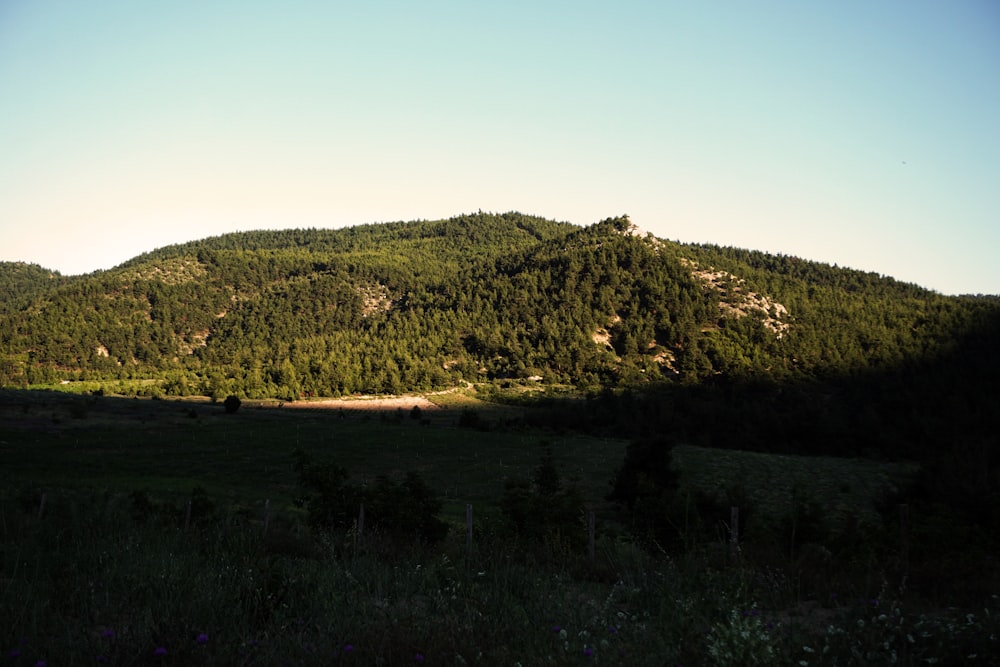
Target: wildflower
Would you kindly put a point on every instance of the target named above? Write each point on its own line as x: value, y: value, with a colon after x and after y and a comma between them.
x: 14, y: 653
x: 348, y: 648
x: 202, y: 638
x: 613, y: 630
x: 556, y: 628
x: 588, y: 652
x: 419, y: 657
x: 160, y: 650
x: 108, y: 634
x: 41, y: 663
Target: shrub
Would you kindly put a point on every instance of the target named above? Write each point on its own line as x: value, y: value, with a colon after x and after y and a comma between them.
x: 231, y: 404
x: 403, y: 510
x: 544, y: 505
x: 740, y: 640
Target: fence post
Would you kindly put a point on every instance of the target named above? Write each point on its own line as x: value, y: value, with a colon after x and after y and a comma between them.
x: 187, y: 516
x: 267, y: 514
x: 41, y: 506
x: 468, y: 530
x: 734, y: 534
x: 361, y: 524
x: 591, y: 524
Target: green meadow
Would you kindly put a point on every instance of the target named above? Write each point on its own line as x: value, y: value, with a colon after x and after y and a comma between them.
x: 108, y: 571
x: 170, y: 446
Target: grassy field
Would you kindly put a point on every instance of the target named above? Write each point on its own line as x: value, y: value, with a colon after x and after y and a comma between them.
x: 773, y: 482
x: 88, y: 581
x: 52, y: 438
x: 170, y: 446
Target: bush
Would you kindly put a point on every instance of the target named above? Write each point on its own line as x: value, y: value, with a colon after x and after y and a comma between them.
x: 231, y: 404
x: 403, y: 510
x: 543, y: 506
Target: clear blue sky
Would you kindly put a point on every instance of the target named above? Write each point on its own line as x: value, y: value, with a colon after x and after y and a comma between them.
x: 865, y: 134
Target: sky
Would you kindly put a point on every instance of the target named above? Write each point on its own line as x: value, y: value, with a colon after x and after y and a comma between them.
x: 859, y: 133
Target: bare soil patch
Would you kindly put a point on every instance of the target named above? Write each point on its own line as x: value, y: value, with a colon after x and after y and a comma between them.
x: 367, y: 403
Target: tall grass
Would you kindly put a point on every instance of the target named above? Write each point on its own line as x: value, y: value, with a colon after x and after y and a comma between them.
x: 103, y: 578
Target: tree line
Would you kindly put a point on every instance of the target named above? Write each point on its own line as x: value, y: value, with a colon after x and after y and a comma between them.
x: 430, y: 304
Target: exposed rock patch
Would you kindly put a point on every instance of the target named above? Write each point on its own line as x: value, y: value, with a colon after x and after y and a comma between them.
x: 738, y: 301
x: 375, y: 299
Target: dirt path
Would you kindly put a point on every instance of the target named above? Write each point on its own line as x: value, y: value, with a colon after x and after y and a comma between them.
x: 366, y: 403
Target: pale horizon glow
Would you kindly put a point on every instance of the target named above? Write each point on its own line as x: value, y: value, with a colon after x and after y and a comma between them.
x: 862, y: 134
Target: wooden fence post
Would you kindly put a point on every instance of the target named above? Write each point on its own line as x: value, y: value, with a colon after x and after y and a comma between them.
x: 468, y: 530
x: 591, y: 524
x: 41, y: 506
x: 734, y: 534
x: 361, y: 524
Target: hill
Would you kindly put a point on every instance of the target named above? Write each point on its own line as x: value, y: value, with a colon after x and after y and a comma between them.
x: 414, y: 306
x: 743, y: 343
x: 21, y: 282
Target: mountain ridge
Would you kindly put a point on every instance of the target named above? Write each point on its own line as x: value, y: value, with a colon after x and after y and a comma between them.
x: 407, y: 306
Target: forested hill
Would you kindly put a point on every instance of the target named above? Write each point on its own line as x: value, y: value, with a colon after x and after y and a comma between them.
x: 21, y: 282
x: 423, y: 305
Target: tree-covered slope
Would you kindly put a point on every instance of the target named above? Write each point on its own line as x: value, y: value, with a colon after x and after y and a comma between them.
x: 431, y: 304
x: 20, y: 282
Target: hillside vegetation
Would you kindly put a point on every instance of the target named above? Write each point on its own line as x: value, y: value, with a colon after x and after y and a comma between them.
x: 727, y: 347
x: 413, y: 306
x: 404, y: 307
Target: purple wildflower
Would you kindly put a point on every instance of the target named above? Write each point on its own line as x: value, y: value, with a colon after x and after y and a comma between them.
x: 41, y: 663
x: 202, y: 638
x: 419, y: 657
x: 556, y: 628
x: 14, y: 653
x: 588, y: 652
x: 108, y: 634
x: 613, y: 630
x: 160, y: 650
x: 348, y: 648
